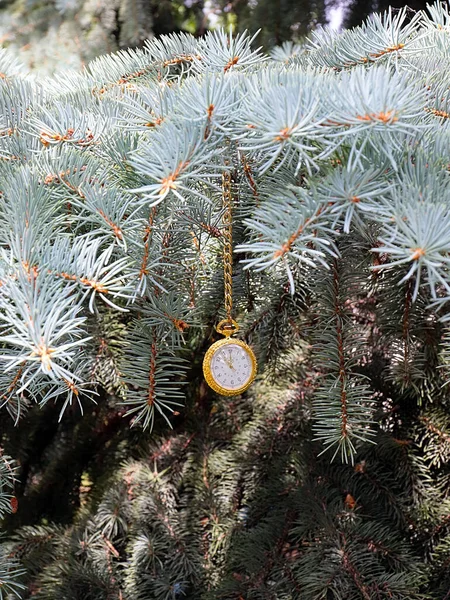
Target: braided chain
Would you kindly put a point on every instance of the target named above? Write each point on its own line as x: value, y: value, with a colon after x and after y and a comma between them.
x: 228, y: 247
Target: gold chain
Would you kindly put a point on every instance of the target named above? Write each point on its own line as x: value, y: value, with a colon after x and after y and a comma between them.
x: 228, y: 245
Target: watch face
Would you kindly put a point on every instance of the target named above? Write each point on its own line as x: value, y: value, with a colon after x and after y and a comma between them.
x: 230, y: 367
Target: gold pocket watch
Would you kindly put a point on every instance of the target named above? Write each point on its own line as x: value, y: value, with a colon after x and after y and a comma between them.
x: 229, y: 365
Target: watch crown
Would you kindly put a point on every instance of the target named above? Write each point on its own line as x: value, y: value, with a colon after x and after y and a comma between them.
x: 227, y: 327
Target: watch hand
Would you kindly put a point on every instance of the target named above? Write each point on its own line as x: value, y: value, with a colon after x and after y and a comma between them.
x: 228, y: 363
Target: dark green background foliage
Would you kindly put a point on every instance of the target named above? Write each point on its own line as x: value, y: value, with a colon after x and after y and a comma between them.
x: 329, y: 479
x: 52, y: 34
x: 57, y: 34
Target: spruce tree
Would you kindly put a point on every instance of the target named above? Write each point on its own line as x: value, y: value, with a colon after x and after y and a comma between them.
x: 328, y: 479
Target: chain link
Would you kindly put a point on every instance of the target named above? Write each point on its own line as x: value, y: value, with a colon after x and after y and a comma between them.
x: 228, y: 244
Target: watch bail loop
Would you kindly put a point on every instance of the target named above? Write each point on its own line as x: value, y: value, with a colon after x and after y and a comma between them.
x: 227, y: 327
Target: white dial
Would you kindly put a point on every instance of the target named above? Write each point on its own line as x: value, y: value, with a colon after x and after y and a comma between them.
x: 231, y: 366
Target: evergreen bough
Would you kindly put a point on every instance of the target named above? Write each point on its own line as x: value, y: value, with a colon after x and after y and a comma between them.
x: 330, y: 478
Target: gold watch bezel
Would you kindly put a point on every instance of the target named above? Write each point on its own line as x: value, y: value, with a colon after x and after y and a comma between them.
x: 207, y: 371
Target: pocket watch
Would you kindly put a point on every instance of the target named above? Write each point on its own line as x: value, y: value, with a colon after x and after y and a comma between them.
x: 229, y: 365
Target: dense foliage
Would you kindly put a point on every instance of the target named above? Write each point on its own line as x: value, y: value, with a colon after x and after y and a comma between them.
x: 330, y: 478
x: 56, y: 34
